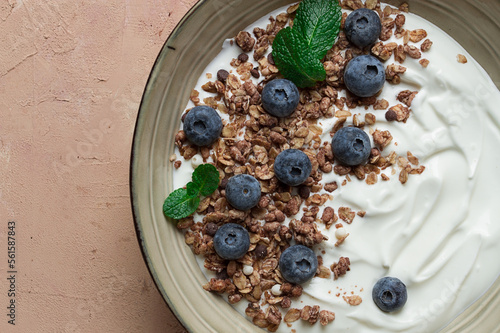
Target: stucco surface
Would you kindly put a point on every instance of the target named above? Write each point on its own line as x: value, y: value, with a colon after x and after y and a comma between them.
x: 72, y: 74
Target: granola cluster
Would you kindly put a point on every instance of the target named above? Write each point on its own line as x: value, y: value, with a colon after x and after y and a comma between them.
x: 251, y: 140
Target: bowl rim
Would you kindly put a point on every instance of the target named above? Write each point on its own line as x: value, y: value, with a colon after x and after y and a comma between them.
x: 166, y: 48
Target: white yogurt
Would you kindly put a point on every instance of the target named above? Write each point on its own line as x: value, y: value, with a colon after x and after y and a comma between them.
x: 438, y: 232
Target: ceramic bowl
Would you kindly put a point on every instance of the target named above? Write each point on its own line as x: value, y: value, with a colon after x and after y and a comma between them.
x: 475, y: 24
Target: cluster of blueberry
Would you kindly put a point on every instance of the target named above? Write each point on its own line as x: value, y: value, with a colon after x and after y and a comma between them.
x: 297, y: 264
x: 364, y: 76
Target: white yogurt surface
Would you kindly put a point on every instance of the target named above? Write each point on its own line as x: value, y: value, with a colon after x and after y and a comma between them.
x: 438, y: 232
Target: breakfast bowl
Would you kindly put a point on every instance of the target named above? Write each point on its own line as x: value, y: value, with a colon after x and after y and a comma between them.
x: 191, y: 46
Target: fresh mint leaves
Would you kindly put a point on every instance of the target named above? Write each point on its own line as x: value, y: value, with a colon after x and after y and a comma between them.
x: 184, y: 201
x: 297, y: 51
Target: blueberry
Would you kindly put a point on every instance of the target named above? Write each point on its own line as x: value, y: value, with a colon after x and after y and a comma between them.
x: 364, y: 75
x: 202, y: 125
x: 362, y: 27
x: 280, y: 97
x: 351, y: 146
x: 292, y: 167
x: 231, y: 241
x: 243, y: 191
x: 298, y: 264
x: 389, y: 294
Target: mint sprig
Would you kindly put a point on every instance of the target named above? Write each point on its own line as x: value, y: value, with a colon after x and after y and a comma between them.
x: 297, y: 51
x: 184, y: 201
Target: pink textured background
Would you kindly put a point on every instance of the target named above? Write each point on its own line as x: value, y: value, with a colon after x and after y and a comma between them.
x: 72, y: 74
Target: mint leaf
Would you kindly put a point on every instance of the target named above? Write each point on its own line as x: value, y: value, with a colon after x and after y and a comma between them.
x: 297, y: 51
x: 318, y: 21
x: 206, y: 179
x: 184, y: 201
x: 293, y: 58
x: 179, y: 204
